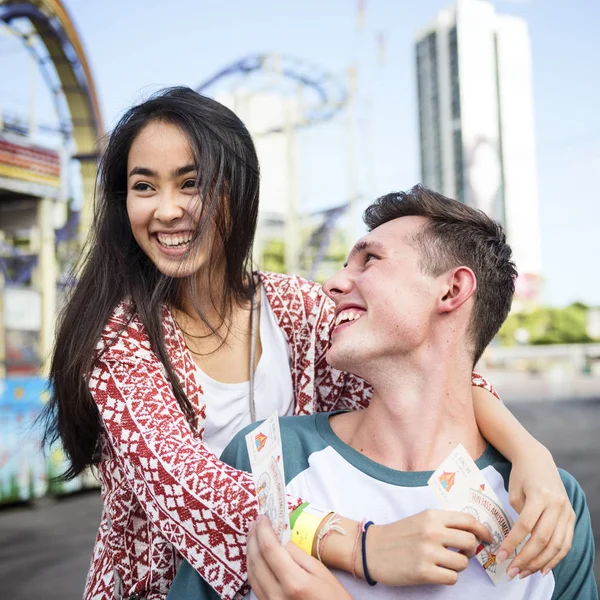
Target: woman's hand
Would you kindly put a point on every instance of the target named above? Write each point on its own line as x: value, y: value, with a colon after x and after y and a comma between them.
x: 278, y: 572
x: 416, y: 550
x: 536, y: 491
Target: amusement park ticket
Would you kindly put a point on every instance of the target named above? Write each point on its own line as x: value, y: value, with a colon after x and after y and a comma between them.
x: 461, y: 486
x: 266, y: 460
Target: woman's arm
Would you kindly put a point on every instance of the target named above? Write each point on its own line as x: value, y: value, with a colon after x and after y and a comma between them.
x: 535, y: 490
x: 201, y: 505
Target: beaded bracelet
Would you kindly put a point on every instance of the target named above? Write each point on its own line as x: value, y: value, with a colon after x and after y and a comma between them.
x: 364, y: 554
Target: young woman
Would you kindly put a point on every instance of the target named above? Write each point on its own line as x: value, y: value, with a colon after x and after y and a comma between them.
x: 170, y: 344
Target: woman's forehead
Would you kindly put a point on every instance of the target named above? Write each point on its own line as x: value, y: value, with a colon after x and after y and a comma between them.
x: 160, y: 146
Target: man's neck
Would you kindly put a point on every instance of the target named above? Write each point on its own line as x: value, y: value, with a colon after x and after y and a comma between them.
x: 415, y: 419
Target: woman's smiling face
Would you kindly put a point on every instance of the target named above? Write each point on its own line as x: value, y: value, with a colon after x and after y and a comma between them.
x: 163, y: 204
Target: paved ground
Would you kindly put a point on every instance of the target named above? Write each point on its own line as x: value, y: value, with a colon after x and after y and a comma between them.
x: 45, y: 549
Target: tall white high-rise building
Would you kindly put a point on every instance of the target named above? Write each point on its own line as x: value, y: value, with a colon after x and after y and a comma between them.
x: 476, y: 122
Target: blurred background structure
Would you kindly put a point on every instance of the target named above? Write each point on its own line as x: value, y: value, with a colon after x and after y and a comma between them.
x: 494, y: 103
x: 474, y: 85
x: 276, y: 96
x: 38, y: 226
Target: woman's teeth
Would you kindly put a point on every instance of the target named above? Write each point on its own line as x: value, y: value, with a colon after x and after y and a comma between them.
x: 173, y: 240
x: 347, y: 315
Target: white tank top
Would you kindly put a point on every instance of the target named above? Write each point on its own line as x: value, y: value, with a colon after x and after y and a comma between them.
x: 227, y: 404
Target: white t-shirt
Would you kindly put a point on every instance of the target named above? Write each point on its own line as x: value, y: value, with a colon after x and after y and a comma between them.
x: 228, y: 404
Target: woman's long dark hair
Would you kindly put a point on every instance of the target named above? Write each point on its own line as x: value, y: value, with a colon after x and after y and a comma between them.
x: 114, y: 267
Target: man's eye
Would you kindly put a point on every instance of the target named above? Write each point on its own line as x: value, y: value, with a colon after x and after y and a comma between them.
x: 142, y: 187
x: 369, y: 257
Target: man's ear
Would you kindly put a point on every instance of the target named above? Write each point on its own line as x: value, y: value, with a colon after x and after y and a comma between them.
x: 460, y: 285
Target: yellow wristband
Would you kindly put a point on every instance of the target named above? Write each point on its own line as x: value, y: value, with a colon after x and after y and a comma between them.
x: 306, y: 527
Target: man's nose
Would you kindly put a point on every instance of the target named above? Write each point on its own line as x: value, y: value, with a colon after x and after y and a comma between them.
x: 338, y: 285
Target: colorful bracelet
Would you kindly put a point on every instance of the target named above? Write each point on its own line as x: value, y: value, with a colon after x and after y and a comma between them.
x: 331, y: 524
x: 305, y: 522
x: 361, y: 526
x: 364, y: 553
x: 296, y: 513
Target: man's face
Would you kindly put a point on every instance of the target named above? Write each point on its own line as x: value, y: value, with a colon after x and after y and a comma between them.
x: 384, y: 303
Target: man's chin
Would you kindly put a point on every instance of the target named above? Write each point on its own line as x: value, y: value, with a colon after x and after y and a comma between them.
x: 340, y: 360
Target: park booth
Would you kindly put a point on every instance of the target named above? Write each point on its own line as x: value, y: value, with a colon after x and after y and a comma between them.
x: 32, y: 210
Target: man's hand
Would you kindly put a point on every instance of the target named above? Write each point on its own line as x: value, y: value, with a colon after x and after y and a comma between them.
x: 536, y: 491
x: 416, y: 550
x: 279, y: 572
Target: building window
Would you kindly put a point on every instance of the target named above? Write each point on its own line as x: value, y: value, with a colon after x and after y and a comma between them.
x: 429, y: 111
x: 459, y: 168
x: 459, y: 173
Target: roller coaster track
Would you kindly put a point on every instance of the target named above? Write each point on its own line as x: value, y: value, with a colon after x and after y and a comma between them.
x: 329, y: 95
x: 71, y: 83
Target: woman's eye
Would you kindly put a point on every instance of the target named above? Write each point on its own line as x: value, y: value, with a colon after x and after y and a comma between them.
x: 369, y: 257
x: 189, y: 184
x: 142, y: 187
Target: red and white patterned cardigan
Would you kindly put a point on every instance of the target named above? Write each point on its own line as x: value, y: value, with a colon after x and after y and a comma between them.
x: 165, y: 494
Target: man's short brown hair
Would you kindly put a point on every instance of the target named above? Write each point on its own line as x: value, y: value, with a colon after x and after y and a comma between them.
x: 457, y: 235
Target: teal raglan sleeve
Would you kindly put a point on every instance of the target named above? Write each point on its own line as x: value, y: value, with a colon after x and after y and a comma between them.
x: 188, y: 584
x: 574, y: 575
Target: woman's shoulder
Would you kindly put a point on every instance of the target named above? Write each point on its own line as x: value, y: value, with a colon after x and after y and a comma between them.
x: 124, y: 333
x: 291, y: 287
x: 298, y: 302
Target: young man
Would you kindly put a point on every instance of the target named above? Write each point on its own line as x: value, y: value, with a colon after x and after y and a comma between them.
x: 420, y: 298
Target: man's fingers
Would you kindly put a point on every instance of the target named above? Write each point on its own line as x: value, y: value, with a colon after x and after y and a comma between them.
x: 523, y: 527
x: 308, y: 563
x: 442, y: 576
x: 258, y: 589
x: 273, y: 553
x: 459, y: 520
x: 461, y: 540
x: 259, y: 573
x: 268, y: 562
x: 449, y: 559
x: 262, y: 579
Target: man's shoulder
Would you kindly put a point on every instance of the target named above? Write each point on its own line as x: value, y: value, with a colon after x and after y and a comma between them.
x: 291, y: 426
x: 300, y: 438
x: 574, y: 575
x: 574, y: 489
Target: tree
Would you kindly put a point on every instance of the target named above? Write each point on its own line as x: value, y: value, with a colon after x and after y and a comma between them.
x: 548, y: 326
x: 565, y: 326
x: 273, y: 256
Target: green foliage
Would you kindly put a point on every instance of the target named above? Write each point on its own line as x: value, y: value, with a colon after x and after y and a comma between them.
x: 547, y: 326
x: 273, y: 256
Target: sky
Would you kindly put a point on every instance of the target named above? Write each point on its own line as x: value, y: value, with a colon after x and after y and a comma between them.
x: 137, y: 46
